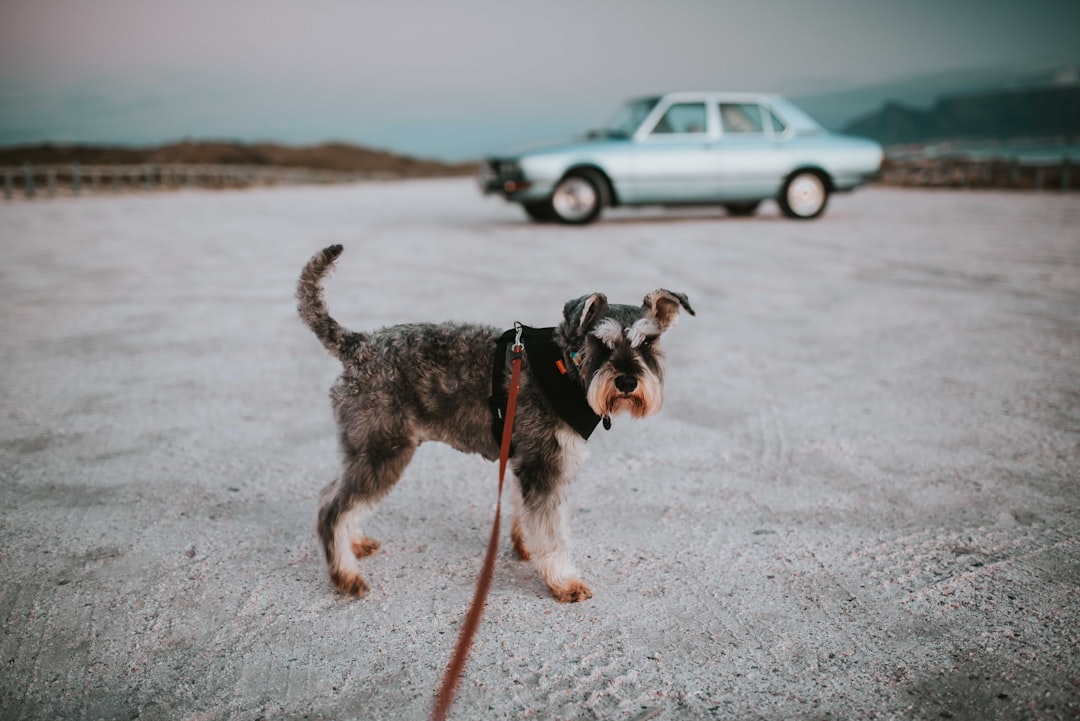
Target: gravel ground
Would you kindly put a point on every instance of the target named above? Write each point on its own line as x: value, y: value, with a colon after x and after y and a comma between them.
x: 860, y: 499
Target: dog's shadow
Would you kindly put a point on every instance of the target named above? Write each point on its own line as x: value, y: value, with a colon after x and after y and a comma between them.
x: 450, y: 541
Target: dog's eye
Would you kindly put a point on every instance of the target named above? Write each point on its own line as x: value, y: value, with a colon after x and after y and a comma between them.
x: 597, y: 351
x: 648, y: 341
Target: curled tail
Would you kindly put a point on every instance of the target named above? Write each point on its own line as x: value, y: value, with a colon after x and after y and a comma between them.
x: 313, y: 308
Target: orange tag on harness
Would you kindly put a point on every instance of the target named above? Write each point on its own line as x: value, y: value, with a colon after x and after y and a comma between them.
x: 561, y: 366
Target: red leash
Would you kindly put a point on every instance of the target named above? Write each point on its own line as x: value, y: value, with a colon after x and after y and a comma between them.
x: 456, y: 666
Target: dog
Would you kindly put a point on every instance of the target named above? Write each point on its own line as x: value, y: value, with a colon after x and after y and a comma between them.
x: 407, y: 384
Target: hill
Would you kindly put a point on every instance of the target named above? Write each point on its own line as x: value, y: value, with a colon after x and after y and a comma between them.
x: 1040, y: 112
x: 339, y: 157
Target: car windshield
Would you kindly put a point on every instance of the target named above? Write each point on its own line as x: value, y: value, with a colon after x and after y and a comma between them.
x: 627, y: 119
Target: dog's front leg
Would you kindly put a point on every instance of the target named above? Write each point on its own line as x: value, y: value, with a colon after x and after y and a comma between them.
x: 544, y: 523
x: 543, y: 481
x: 517, y: 533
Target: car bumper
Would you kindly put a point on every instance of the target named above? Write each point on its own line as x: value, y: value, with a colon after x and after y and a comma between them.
x: 845, y: 183
x: 507, y: 180
x: 506, y: 187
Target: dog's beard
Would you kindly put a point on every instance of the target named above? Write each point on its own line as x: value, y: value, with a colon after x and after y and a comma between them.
x: 607, y: 400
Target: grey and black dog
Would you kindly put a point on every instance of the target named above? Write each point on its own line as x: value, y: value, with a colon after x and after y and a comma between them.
x: 411, y: 383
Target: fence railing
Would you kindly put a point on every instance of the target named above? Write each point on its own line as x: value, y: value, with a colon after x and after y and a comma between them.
x: 1052, y: 174
x: 32, y: 181
x: 72, y: 179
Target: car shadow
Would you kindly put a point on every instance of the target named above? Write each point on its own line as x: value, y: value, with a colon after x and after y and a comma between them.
x: 655, y: 215
x: 659, y: 219
x: 682, y: 216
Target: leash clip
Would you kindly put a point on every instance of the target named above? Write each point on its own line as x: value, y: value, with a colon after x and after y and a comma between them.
x: 518, y: 346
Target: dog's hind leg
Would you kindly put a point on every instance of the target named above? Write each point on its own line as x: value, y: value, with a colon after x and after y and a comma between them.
x: 337, y: 516
x: 367, y: 476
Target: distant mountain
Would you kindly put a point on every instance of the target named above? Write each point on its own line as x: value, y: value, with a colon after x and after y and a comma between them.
x: 329, y: 156
x: 1041, y: 112
x: 836, y: 109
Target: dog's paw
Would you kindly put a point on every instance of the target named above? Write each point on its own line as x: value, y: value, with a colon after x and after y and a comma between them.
x: 363, y: 546
x: 572, y: 591
x: 517, y: 539
x: 352, y: 584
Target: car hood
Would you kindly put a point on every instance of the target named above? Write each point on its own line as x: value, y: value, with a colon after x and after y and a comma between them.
x: 574, y: 145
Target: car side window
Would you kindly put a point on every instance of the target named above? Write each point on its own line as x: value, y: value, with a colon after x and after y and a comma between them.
x: 741, y: 118
x: 682, y: 118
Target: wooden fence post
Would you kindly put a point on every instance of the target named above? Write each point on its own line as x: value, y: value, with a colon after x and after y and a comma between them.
x: 72, y: 179
x: 28, y: 180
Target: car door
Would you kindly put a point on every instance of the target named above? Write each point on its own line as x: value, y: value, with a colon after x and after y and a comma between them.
x: 750, y: 154
x: 672, y: 161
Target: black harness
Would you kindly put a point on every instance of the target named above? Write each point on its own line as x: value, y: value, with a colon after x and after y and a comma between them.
x: 549, y: 371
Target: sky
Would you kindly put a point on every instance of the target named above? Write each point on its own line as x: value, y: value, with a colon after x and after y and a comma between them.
x: 456, y: 80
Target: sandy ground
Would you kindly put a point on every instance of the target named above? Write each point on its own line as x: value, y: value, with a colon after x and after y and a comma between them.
x: 860, y: 499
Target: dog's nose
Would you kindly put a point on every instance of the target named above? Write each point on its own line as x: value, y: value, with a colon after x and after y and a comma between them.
x: 625, y: 384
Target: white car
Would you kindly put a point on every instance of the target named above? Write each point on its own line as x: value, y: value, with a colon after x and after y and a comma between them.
x: 731, y: 149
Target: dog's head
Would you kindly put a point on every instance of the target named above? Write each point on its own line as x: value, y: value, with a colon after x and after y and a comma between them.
x: 616, y: 351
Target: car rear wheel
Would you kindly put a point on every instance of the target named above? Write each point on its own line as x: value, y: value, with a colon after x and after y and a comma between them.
x: 579, y: 197
x: 742, y: 209
x: 804, y: 196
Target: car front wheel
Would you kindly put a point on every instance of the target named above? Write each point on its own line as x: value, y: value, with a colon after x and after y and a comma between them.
x: 804, y: 196
x: 579, y: 198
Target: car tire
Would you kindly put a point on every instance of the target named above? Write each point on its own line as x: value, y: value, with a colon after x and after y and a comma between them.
x: 805, y: 195
x: 540, y: 211
x: 741, y: 210
x: 579, y: 197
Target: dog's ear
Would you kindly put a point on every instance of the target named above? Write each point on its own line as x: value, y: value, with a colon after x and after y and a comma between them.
x: 663, y: 306
x: 581, y: 313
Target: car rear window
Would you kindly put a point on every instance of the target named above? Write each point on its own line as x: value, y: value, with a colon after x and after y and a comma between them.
x: 741, y: 118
